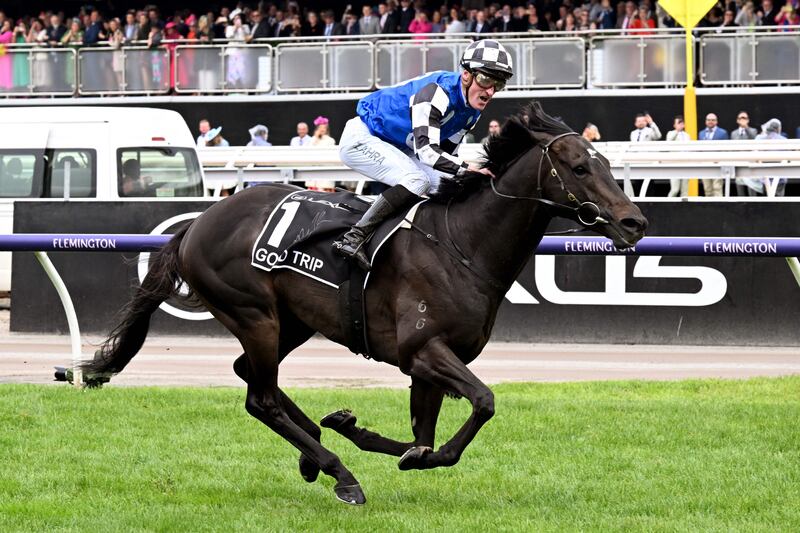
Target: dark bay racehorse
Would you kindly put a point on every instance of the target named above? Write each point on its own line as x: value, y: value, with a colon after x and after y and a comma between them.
x: 430, y: 310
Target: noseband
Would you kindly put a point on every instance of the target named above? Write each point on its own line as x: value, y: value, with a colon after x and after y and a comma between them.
x: 585, y: 213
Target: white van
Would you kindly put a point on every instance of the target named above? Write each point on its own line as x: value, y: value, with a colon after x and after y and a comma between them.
x: 95, y: 149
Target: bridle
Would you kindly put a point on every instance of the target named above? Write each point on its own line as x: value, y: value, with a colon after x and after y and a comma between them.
x: 572, y: 213
x: 585, y: 213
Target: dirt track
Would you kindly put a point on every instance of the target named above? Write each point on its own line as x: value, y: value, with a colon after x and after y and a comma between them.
x: 207, y: 361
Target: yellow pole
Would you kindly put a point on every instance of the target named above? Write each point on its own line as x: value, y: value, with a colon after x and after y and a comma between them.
x: 690, y: 103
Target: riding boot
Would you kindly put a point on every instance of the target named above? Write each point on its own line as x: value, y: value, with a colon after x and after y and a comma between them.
x: 352, y: 243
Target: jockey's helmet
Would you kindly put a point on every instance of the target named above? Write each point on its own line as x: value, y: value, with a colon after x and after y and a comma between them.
x: 490, y: 57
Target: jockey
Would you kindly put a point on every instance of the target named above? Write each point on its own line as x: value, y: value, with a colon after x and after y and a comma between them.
x: 407, y: 136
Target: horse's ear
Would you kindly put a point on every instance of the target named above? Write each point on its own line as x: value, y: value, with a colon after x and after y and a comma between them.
x: 533, y: 114
x: 543, y: 124
x: 537, y: 110
x: 517, y: 128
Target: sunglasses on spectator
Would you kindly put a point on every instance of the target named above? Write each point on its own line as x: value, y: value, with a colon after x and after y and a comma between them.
x: 485, y: 81
x: 745, y: 117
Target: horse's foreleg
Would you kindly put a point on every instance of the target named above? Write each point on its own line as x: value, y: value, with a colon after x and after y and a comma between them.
x: 426, y: 401
x: 437, y: 364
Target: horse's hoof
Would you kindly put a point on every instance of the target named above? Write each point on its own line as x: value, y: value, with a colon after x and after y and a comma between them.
x: 308, y: 469
x: 350, y: 494
x: 338, y: 420
x: 414, y: 458
x: 240, y: 367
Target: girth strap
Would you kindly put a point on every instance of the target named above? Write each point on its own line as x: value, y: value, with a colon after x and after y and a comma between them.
x: 352, y: 312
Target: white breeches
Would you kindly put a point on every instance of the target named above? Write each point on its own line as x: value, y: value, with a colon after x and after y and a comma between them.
x: 384, y: 162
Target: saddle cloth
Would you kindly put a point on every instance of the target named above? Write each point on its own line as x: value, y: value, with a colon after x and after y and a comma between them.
x: 300, y: 230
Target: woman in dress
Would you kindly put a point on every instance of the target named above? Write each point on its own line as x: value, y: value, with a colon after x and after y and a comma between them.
x: 321, y: 138
x: 116, y: 38
x: 172, y: 36
x: 21, y: 74
x: 6, y: 37
x: 420, y: 25
x: 643, y: 24
x: 157, y: 68
x: 73, y: 38
x: 237, y: 34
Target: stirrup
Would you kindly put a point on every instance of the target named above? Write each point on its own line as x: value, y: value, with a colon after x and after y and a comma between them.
x: 355, y: 254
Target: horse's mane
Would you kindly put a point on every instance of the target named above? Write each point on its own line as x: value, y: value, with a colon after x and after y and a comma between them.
x: 517, y: 135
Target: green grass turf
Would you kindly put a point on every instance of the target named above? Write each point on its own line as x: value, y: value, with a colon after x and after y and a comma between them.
x: 648, y: 456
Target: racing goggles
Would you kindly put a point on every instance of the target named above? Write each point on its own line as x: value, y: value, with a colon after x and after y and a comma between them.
x: 485, y: 81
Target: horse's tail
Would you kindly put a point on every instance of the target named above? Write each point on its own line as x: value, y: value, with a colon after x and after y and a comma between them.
x: 125, y: 341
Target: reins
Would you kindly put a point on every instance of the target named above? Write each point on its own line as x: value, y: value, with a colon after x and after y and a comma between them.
x: 572, y: 213
x: 459, y: 254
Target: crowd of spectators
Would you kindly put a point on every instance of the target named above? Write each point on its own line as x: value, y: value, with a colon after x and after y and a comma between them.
x: 259, y: 136
x: 646, y: 129
x: 248, y: 21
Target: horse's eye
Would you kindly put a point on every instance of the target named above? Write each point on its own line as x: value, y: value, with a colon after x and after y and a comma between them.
x: 580, y: 170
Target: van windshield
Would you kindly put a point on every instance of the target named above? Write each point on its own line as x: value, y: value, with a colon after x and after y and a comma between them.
x: 159, y: 172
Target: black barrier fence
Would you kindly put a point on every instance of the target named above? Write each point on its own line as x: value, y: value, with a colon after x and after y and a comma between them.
x: 615, y: 299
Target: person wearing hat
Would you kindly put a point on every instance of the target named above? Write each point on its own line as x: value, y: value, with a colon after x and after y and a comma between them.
x: 771, y: 130
x: 321, y: 137
x: 407, y: 136
x: 214, y: 138
x: 258, y: 136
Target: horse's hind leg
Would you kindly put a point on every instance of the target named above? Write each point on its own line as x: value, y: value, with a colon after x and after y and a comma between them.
x: 426, y: 401
x: 293, y: 334
x: 308, y: 469
x: 264, y: 402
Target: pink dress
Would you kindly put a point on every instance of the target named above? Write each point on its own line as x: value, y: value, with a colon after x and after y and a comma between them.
x: 420, y: 27
x: 5, y: 61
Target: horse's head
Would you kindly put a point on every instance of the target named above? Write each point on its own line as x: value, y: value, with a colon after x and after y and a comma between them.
x: 573, y: 179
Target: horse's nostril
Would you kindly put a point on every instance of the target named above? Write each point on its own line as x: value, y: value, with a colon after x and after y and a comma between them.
x: 634, y: 224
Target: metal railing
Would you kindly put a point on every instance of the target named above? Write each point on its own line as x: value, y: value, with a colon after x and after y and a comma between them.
x: 399, y: 60
x: 129, y: 70
x: 223, y: 69
x: 557, y: 62
x: 757, y: 58
x: 325, y: 66
x: 637, y: 61
x: 350, y: 63
x: 34, y: 71
x: 234, y: 166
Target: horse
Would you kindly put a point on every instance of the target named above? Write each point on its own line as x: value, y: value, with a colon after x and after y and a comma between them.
x: 430, y: 304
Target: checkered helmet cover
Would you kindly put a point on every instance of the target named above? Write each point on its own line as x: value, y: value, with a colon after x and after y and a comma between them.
x: 488, y: 55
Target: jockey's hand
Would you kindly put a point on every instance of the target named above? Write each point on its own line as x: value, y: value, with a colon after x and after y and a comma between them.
x: 480, y: 170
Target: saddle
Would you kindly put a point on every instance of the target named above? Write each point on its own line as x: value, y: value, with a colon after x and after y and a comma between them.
x: 298, y: 235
